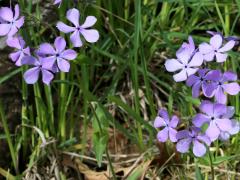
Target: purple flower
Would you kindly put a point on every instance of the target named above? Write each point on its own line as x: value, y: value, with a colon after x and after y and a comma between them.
x: 91, y: 35
x: 10, y: 23
x: 219, y: 85
x: 168, y: 131
x: 31, y: 76
x: 187, y: 62
x: 225, y: 135
x: 57, y: 54
x: 202, y: 81
x: 213, y: 49
x: 57, y: 2
x: 19, y: 44
x: 193, y: 137
x: 215, y: 116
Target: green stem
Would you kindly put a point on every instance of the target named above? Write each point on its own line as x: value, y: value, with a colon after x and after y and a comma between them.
x: 10, y: 144
x: 211, y: 164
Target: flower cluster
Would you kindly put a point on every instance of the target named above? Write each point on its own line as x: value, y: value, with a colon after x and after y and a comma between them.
x: 215, y: 120
x: 48, y: 59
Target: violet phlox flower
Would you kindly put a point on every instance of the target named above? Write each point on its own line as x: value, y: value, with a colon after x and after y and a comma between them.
x: 192, y: 137
x: 225, y: 135
x: 216, y: 48
x: 187, y: 62
x: 222, y: 84
x: 213, y: 114
x: 90, y: 35
x: 10, y: 22
x: 202, y: 81
x: 168, y: 126
x: 19, y: 44
x: 57, y: 55
x: 40, y: 65
x: 57, y: 2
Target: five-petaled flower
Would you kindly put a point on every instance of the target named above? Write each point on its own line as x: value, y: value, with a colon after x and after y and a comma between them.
x: 220, y: 86
x: 57, y: 55
x: 19, y: 44
x: 168, y: 131
x: 213, y: 114
x: 10, y: 23
x: 193, y: 137
x: 40, y: 65
x: 91, y: 35
x: 213, y: 49
x: 187, y: 62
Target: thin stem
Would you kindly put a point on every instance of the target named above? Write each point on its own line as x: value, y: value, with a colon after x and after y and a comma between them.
x: 211, y: 163
x: 10, y: 144
x: 101, y: 133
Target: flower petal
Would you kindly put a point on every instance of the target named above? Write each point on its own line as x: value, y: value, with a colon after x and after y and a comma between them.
x: 48, y: 62
x: 174, y: 122
x: 196, y: 89
x: 196, y: 60
x: 209, y: 57
x: 216, y: 41
x: 181, y: 76
x: 69, y: 54
x: 65, y: 28
x: 172, y: 135
x: 13, y: 42
x: 183, y: 145
x: 19, y: 23
x: 205, y: 48
x: 16, y: 12
x: 220, y: 57
x: 191, y: 71
x: 162, y: 135
x: 15, y: 56
x: 91, y: 35
x: 89, y: 22
x: 63, y: 65
x: 235, y: 127
x: 59, y: 44
x: 212, y: 131
x: 198, y: 148
x: 207, y: 108
x: 204, y: 139
x: 229, y: 76
x: 30, y: 60
x: 4, y: 29
x: 192, y: 80
x: 46, y: 49
x: 219, y: 110
x: 224, y: 124
x: 231, y: 88
x: 220, y: 96
x: 228, y: 46
x: 214, y: 75
x: 31, y: 75
x: 200, y: 119
x: 183, y: 56
x: 159, y: 122
x: 75, y: 39
x: 173, y: 65
x: 47, y: 76
x: 73, y: 16
x: 183, y: 134
x: 164, y: 114
x: 6, y: 14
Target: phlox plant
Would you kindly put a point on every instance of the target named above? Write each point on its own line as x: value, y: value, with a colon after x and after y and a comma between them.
x: 215, y: 121
x: 47, y: 59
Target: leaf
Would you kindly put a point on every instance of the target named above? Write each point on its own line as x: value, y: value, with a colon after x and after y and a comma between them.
x: 99, y: 145
x: 99, y: 116
x: 198, y: 173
